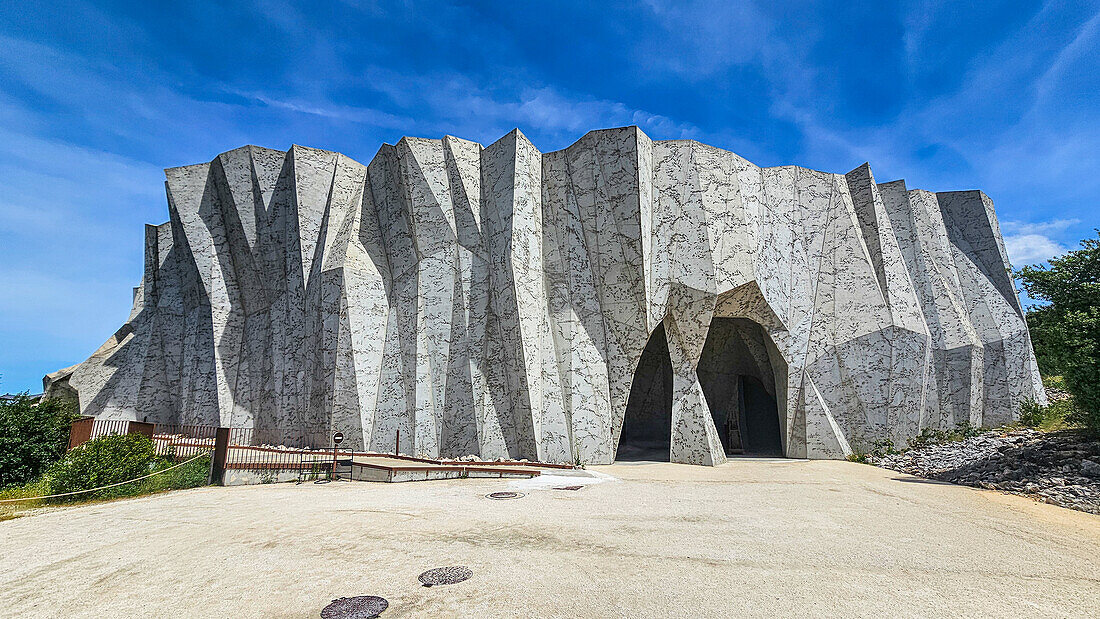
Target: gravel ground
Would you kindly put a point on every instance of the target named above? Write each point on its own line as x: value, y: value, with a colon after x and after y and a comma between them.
x: 1061, y: 468
x: 751, y: 538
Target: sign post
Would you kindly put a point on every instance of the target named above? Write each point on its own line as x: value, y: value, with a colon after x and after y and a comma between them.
x: 337, y: 438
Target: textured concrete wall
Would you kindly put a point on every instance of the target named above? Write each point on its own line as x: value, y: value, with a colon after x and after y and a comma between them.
x: 496, y: 300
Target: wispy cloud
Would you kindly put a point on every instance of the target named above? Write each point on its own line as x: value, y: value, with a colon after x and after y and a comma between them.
x: 710, y: 37
x: 451, y: 103
x: 1033, y: 242
x: 546, y: 107
x: 1037, y: 227
x: 1082, y: 42
x: 456, y: 104
x: 44, y: 198
x: 1007, y: 128
x: 350, y: 113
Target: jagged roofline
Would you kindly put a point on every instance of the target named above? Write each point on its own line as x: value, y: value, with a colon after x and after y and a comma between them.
x: 517, y: 131
x: 1003, y: 284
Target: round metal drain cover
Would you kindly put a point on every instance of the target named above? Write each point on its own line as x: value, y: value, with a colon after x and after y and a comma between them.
x: 445, y: 575
x: 504, y: 495
x: 360, y: 607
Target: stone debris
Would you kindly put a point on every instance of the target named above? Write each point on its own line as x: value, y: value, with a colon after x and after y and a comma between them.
x: 1061, y: 468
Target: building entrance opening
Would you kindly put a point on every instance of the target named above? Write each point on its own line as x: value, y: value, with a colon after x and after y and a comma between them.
x: 738, y: 382
x: 647, y: 425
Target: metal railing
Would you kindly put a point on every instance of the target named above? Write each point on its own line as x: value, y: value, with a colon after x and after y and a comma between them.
x: 183, y: 440
x: 264, y: 454
x: 268, y: 449
x: 276, y: 449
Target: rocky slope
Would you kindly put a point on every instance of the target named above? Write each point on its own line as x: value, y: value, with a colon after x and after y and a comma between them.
x: 1062, y: 468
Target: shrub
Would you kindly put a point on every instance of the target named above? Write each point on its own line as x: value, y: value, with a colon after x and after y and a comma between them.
x: 1061, y: 411
x: 191, y: 475
x: 966, y: 430
x: 1066, y: 331
x: 103, y: 461
x: 1032, y: 414
x: 33, y: 435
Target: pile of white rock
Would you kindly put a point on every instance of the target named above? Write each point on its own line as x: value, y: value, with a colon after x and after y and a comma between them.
x: 1062, y: 468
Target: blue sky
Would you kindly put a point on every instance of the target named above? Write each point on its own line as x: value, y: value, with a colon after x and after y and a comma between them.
x: 97, y: 98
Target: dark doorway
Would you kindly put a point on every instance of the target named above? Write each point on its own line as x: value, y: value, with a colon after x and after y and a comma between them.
x: 647, y: 424
x: 759, y: 423
x: 738, y: 382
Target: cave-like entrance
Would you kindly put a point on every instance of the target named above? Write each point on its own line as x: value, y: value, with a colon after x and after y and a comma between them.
x: 738, y: 381
x: 647, y: 424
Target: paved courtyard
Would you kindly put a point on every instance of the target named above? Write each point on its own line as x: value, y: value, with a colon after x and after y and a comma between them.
x: 751, y: 538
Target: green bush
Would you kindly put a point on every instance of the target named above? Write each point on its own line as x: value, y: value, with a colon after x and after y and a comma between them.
x: 33, y: 435
x: 191, y: 475
x: 104, y: 461
x: 1032, y: 414
x: 1066, y: 331
x: 1057, y: 415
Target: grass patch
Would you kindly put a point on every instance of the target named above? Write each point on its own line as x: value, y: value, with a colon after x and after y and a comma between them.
x: 878, y: 449
x: 35, y: 488
x: 934, y: 436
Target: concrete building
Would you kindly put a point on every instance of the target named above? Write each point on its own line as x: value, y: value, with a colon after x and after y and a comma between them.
x: 619, y: 296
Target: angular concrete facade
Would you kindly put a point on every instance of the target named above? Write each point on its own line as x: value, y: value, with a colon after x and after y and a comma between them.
x: 497, y: 301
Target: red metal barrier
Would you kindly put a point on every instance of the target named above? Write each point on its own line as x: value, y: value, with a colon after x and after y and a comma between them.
x: 142, y: 428
x: 81, y: 432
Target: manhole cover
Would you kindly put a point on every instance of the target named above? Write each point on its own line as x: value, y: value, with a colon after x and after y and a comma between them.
x: 360, y: 607
x: 504, y: 495
x: 445, y: 575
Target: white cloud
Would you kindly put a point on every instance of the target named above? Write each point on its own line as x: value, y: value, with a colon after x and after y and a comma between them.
x: 1031, y: 248
x: 1031, y: 242
x: 1040, y: 227
x: 548, y: 108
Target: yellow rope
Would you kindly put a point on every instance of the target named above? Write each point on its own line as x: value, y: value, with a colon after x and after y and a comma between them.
x: 54, y: 496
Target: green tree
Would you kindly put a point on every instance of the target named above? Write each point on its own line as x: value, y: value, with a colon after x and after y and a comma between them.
x: 1066, y: 331
x: 33, y: 435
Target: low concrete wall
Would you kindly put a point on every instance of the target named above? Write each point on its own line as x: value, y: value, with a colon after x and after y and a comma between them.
x: 246, y: 477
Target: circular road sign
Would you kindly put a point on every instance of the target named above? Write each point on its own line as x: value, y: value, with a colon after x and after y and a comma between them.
x: 336, y: 438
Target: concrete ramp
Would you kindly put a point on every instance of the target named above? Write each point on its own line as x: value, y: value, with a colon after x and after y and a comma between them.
x: 390, y: 468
